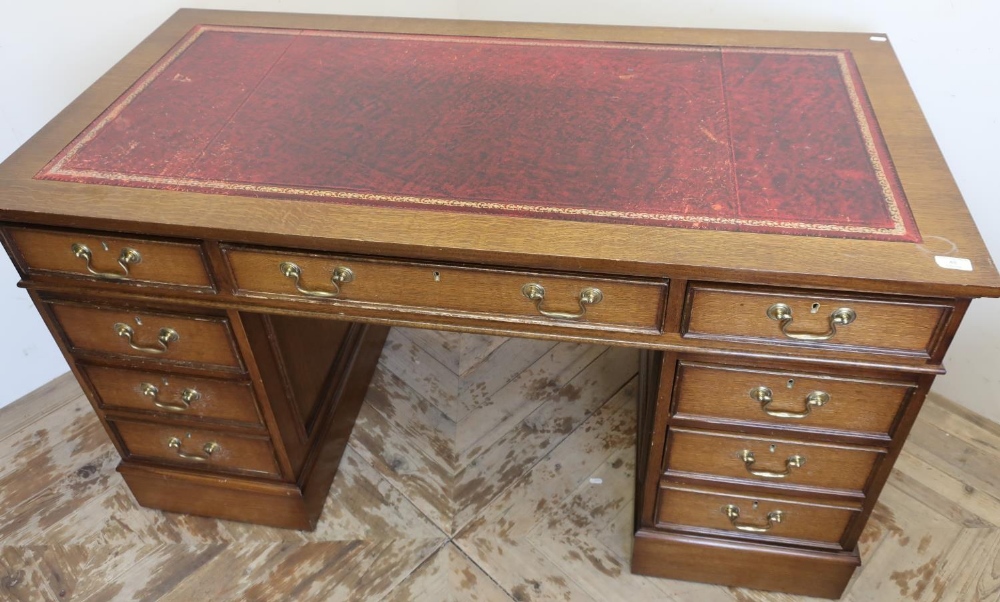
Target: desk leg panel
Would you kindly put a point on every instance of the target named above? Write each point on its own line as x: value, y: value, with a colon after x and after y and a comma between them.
x: 271, y: 504
x: 793, y: 571
x: 290, y: 505
x: 324, y: 459
x: 654, y: 371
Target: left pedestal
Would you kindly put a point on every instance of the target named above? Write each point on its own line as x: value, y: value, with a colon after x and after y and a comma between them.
x: 220, y: 413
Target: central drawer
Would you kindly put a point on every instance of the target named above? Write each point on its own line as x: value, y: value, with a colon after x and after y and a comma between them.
x: 512, y: 296
x: 770, y: 460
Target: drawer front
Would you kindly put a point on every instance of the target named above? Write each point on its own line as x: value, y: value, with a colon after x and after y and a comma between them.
x: 789, y: 399
x: 196, y: 448
x: 135, y: 333
x: 823, y: 320
x: 111, y: 258
x: 760, y: 517
x: 440, y: 289
x: 176, y: 394
x: 770, y: 460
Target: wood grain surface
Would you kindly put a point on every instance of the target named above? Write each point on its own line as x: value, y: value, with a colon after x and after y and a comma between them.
x: 213, y: 399
x: 534, y: 504
x: 725, y: 393
x: 233, y: 453
x: 699, y: 510
x: 941, y: 215
x: 199, y: 339
x: 179, y: 264
x: 709, y: 453
x: 882, y: 324
x: 442, y: 289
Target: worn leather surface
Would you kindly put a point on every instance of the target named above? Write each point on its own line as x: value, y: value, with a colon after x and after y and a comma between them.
x: 741, y: 139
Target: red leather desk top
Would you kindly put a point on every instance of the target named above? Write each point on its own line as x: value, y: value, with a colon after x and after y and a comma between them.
x: 747, y: 139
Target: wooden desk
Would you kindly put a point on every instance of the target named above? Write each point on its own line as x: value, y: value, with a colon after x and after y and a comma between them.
x: 220, y: 231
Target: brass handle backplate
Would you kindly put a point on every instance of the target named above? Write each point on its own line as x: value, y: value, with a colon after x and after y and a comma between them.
x: 732, y: 512
x: 163, y: 338
x: 588, y: 296
x: 188, y: 396
x: 341, y: 275
x: 791, y: 462
x: 765, y: 397
x: 209, y: 448
x: 127, y: 257
x: 783, y: 315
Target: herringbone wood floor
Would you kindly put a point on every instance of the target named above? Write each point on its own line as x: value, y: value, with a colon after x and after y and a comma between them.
x: 480, y: 469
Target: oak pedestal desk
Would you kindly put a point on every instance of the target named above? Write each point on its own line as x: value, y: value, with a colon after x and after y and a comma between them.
x: 220, y: 231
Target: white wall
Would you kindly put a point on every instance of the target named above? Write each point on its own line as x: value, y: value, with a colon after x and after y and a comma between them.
x: 50, y: 51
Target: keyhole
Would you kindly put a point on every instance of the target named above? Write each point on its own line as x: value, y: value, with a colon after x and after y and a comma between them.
x: 138, y: 320
x: 756, y: 504
x: 104, y: 246
x: 814, y: 308
x: 772, y: 448
x: 437, y: 276
x: 790, y: 383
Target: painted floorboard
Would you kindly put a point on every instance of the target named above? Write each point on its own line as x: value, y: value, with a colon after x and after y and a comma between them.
x: 481, y: 469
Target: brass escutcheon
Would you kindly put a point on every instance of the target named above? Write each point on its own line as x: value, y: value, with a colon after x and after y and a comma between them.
x: 341, y: 275
x: 188, y: 396
x: 127, y: 257
x: 782, y: 313
x: 732, y: 512
x: 795, y: 461
x: 209, y: 448
x: 588, y: 296
x: 163, y: 338
x: 764, y: 396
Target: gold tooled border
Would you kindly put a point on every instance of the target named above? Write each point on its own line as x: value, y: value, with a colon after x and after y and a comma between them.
x: 57, y: 166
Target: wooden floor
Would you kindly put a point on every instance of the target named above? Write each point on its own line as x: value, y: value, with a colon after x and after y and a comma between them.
x: 481, y: 469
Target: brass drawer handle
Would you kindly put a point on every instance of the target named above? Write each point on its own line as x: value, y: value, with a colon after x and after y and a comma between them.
x: 795, y: 461
x: 341, y: 275
x: 188, y: 396
x: 128, y: 256
x: 588, y: 296
x: 209, y: 448
x: 164, y: 338
x: 732, y: 512
x: 765, y: 397
x: 783, y: 315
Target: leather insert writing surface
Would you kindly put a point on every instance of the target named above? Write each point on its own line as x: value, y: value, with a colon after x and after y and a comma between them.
x: 747, y: 139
